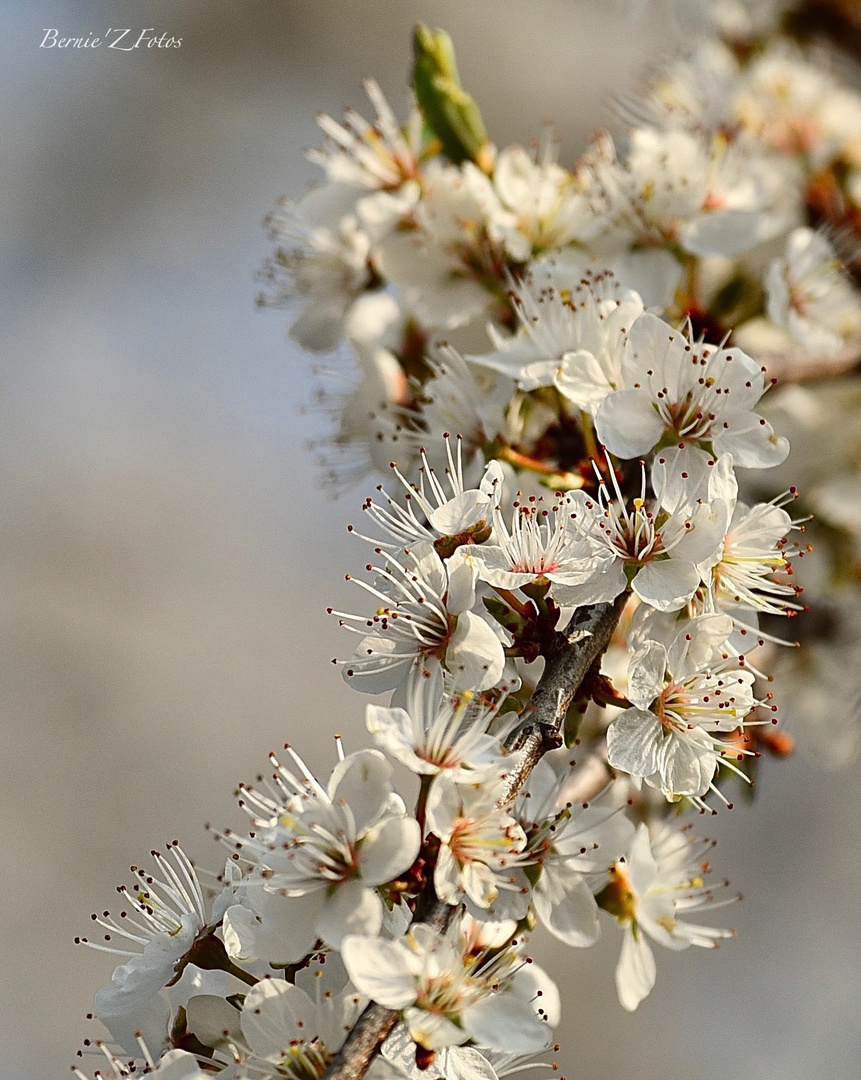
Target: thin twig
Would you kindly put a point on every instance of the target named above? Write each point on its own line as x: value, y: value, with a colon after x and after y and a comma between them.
x: 579, y: 645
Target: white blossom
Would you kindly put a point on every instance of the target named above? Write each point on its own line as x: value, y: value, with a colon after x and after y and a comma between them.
x: 549, y: 210
x: 448, y: 996
x: 539, y: 547
x: 320, y: 854
x: 326, y: 264
x: 293, y: 1034
x: 659, y: 878
x: 690, y: 395
x: 810, y: 295
x: 573, y: 322
x: 432, y: 730
x: 479, y: 841
x: 445, y: 518
x: 710, y: 196
x: 166, y: 918
x: 684, y: 696
x: 655, y: 550
x: 378, y: 156
x: 425, y: 618
x: 571, y: 846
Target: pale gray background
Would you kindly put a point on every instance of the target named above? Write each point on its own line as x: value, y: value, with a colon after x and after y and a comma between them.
x: 167, y: 556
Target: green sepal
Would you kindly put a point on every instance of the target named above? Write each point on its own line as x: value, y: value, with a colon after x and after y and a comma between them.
x: 498, y: 609
x: 572, y: 722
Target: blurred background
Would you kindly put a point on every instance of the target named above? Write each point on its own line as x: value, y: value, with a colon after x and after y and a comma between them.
x: 168, y: 555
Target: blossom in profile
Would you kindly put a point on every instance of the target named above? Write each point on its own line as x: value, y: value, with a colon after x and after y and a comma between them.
x: 432, y: 730
x: 441, y: 510
x: 751, y: 573
x: 165, y: 940
x: 380, y: 156
x: 567, y: 852
x: 659, y: 879
x: 324, y: 263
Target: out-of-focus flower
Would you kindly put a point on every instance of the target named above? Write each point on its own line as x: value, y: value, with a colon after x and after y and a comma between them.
x: 810, y: 295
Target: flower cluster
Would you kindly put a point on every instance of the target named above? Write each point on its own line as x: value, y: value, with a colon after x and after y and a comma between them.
x: 578, y: 574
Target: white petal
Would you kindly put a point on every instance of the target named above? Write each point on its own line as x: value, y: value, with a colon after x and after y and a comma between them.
x: 177, y: 1064
x: 727, y: 232
x: 695, y: 645
x: 642, y: 868
x: 461, y: 512
x: 697, y: 536
x: 379, y: 969
x: 646, y: 672
x: 280, y: 928
x: 533, y: 985
x: 444, y: 807
x: 582, y: 380
x: 274, y: 1013
x: 653, y: 272
x: 687, y: 763
x: 362, y: 781
x: 494, y: 567
x: 148, y: 1018
x: 352, y: 908
x: 474, y: 655
x: 628, y: 424
x: 635, y: 972
x: 386, y: 669
x: 570, y: 914
x: 389, y: 849
x: 479, y: 883
x: 752, y: 442
x: 466, y: 1063
x: 666, y: 585
x: 446, y: 876
x: 209, y: 1017
x: 634, y: 742
x: 600, y: 589
x: 652, y: 344
x: 506, y: 1023
x: 432, y: 1030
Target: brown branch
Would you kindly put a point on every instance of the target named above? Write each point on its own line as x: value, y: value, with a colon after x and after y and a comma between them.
x: 578, y: 646
x: 584, y: 639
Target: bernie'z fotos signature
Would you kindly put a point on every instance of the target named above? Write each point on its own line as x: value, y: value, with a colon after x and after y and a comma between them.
x: 126, y: 40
